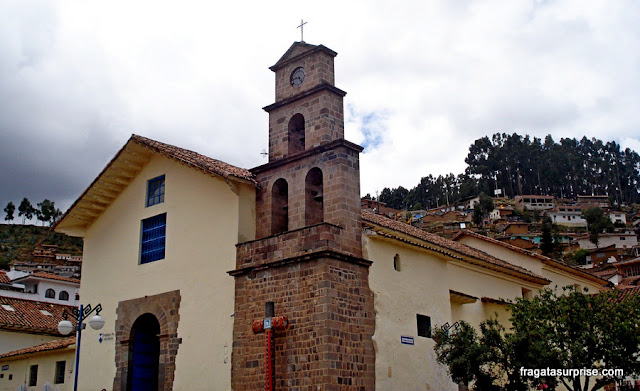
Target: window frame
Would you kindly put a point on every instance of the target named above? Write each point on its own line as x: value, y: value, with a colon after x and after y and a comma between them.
x: 50, y: 295
x: 61, y: 367
x: 33, y: 375
x: 155, y: 191
x: 421, y: 327
x: 65, y: 293
x: 144, y: 253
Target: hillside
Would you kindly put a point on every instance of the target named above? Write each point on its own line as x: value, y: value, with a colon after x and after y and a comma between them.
x: 519, y: 165
x: 18, y: 241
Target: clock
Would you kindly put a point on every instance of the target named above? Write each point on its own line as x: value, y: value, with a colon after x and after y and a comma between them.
x: 297, y: 76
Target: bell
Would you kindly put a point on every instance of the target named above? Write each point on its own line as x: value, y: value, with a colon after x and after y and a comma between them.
x: 318, y: 196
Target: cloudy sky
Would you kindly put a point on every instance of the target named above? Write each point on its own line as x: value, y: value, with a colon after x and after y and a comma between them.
x: 424, y: 79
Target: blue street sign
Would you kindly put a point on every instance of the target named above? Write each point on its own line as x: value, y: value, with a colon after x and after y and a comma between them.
x: 406, y: 340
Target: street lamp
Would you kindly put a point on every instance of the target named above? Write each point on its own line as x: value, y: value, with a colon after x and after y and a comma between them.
x: 65, y: 327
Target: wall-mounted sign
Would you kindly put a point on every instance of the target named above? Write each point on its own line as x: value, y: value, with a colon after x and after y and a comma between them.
x: 105, y: 337
x: 406, y: 340
x: 5, y: 367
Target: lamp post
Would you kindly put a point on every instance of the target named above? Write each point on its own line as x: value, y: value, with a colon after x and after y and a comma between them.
x: 65, y: 327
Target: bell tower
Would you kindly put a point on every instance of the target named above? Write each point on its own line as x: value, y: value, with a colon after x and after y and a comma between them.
x: 307, y: 258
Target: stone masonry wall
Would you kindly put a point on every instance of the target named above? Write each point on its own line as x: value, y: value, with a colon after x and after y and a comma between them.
x: 340, y: 168
x: 318, y: 68
x: 324, y: 122
x: 165, y: 307
x: 328, y: 347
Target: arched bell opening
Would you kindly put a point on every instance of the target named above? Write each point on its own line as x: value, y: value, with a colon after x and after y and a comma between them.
x: 314, y: 197
x: 280, y: 207
x: 296, y: 134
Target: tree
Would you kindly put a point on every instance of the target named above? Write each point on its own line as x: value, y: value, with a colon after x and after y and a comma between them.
x: 45, y: 210
x: 482, y: 208
x: 597, y: 221
x: 547, y: 244
x: 558, y: 330
x: 55, y: 216
x: 9, y: 210
x: 477, y: 359
x: 25, y: 210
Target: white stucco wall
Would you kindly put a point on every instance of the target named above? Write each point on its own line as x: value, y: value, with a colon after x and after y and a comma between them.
x: 558, y: 277
x: 420, y: 287
x: 43, y: 285
x: 14, y: 340
x: 605, y: 240
x: 206, y: 217
x: 46, y: 362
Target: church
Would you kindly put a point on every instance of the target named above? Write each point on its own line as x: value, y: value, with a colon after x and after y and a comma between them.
x: 206, y: 271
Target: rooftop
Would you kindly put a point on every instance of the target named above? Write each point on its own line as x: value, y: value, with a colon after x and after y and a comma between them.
x: 48, y: 346
x: 49, y: 276
x: 446, y: 246
x: 560, y: 264
x: 31, y: 316
x: 124, y: 167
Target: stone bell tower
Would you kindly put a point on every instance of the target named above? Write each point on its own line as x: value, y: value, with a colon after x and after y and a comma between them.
x: 307, y: 259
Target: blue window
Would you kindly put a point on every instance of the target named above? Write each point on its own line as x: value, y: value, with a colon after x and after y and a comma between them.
x: 154, y: 231
x: 155, y: 191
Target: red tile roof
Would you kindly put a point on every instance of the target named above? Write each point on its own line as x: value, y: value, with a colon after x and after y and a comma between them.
x: 624, y: 293
x: 4, y: 279
x: 195, y: 159
x: 50, y: 276
x: 455, y: 249
x: 48, y: 346
x: 560, y: 264
x: 27, y: 315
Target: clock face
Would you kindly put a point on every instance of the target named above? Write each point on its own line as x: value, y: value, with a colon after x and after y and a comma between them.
x: 297, y: 76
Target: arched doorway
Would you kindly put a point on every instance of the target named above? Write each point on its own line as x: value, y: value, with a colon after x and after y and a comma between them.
x: 144, y: 354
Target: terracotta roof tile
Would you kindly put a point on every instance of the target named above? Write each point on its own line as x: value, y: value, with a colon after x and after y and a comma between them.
x: 447, y: 244
x: 4, y: 279
x: 521, y: 250
x: 196, y: 160
x: 50, y: 276
x: 27, y: 315
x: 48, y: 346
x: 624, y: 293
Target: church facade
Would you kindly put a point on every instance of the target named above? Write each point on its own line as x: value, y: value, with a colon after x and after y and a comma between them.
x: 186, y: 253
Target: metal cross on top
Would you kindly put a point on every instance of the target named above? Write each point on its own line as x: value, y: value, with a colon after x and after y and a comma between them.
x: 301, y: 27
x: 269, y: 325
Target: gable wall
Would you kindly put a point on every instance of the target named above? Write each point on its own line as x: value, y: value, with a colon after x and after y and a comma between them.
x: 203, y: 225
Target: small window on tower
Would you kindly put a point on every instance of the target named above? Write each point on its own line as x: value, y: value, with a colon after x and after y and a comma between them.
x: 424, y: 326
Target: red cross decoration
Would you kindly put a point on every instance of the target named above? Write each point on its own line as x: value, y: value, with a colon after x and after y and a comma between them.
x: 269, y: 325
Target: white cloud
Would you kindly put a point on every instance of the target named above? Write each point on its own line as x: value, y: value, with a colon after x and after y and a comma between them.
x: 424, y: 80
